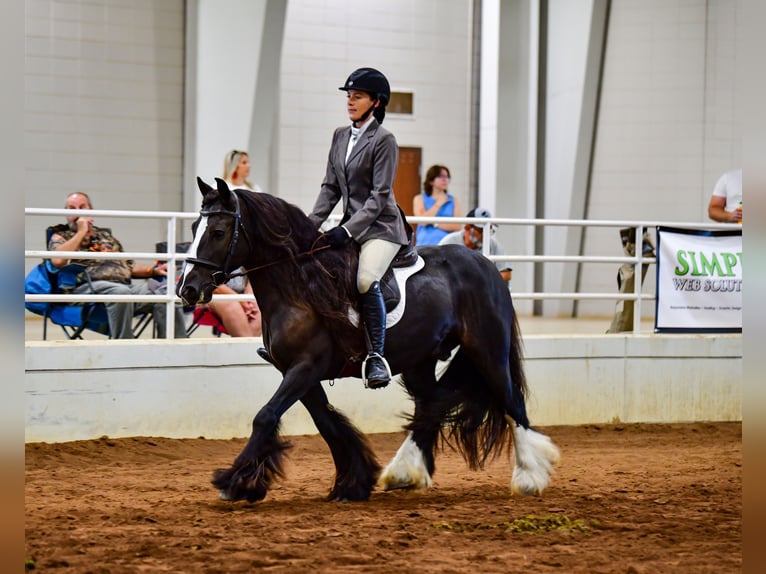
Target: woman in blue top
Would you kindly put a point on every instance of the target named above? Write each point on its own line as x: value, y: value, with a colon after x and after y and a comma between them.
x: 436, y: 202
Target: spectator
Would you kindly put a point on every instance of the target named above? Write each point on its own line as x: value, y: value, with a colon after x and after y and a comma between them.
x: 236, y: 170
x: 472, y: 236
x: 241, y: 318
x: 112, y: 276
x: 726, y: 203
x: 435, y: 201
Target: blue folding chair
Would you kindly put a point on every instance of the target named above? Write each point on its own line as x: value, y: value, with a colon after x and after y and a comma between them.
x: 73, y: 318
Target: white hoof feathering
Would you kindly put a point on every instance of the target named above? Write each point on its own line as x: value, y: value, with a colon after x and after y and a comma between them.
x: 407, y: 469
x: 536, y: 456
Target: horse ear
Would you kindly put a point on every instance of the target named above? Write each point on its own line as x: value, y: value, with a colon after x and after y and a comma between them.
x: 223, y: 191
x: 204, y: 188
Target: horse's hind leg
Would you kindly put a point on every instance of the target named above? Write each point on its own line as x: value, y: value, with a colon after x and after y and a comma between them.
x: 356, y: 468
x: 536, y: 456
x: 535, y: 453
x: 413, y: 464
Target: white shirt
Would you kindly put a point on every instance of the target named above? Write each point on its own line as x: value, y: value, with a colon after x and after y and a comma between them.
x: 356, y: 133
x: 729, y: 186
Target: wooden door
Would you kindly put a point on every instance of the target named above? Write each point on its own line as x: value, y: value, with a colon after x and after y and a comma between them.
x: 407, y: 182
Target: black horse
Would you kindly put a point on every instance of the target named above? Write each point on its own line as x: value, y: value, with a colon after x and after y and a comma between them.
x: 457, y: 305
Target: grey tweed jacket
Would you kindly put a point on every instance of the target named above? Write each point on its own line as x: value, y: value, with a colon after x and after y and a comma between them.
x: 365, y: 183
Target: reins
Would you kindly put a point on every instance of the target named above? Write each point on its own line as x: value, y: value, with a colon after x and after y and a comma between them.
x: 219, y: 274
x: 257, y: 267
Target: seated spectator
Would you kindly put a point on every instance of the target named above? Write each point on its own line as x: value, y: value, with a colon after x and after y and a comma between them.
x: 435, y: 201
x: 241, y: 318
x: 472, y: 236
x: 726, y: 202
x: 112, y: 276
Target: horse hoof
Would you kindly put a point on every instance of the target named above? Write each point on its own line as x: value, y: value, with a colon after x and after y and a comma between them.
x: 223, y: 495
x: 396, y: 486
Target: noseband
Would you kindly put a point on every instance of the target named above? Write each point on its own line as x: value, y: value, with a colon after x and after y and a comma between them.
x: 221, y: 275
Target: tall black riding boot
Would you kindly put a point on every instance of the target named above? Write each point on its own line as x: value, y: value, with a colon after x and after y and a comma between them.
x: 377, y: 373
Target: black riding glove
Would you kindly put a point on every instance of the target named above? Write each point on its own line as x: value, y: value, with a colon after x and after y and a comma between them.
x: 337, y: 237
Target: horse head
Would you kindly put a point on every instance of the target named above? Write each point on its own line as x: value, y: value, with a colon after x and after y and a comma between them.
x: 218, y: 248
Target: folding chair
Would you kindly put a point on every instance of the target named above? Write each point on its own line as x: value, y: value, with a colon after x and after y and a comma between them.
x: 73, y: 318
x: 204, y: 315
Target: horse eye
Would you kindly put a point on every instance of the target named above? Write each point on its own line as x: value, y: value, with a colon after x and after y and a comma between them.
x: 218, y: 234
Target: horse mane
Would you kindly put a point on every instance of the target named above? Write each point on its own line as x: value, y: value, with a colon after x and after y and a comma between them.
x: 325, y: 280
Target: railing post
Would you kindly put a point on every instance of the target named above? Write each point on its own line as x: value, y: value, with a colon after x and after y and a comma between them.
x: 487, y: 240
x: 638, y: 278
x: 170, y: 314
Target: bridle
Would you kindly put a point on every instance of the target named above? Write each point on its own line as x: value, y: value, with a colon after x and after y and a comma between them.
x: 221, y: 275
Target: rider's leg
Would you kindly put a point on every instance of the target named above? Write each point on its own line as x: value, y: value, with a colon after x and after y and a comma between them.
x: 375, y: 257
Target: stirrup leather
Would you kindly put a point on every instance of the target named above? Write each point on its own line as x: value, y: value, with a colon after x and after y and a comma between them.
x: 364, y: 368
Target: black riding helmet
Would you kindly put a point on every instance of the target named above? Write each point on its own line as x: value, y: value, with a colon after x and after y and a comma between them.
x: 374, y: 83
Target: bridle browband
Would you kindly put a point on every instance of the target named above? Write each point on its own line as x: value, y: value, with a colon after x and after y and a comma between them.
x: 221, y: 275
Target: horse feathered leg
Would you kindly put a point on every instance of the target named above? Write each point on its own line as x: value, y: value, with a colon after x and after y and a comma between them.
x: 413, y: 465
x: 535, y: 453
x: 536, y: 456
x: 356, y: 468
x: 260, y: 462
x: 258, y: 465
x: 408, y: 468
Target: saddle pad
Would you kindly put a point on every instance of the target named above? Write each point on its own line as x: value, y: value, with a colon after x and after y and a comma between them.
x: 401, y: 274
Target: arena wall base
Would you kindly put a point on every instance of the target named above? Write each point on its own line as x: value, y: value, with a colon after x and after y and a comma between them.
x: 214, y: 387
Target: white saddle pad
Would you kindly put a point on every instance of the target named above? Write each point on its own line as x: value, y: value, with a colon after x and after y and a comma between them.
x: 401, y: 274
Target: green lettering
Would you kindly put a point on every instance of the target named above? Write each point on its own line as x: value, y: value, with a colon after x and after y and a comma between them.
x: 683, y: 267
x: 729, y: 260
x: 695, y: 270
x: 710, y: 267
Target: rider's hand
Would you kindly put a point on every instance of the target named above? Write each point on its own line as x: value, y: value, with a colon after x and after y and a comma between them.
x: 337, y: 237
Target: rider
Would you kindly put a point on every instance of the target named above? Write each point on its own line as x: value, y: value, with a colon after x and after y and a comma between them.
x: 361, y: 167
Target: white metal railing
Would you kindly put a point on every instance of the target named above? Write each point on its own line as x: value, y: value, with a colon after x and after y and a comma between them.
x: 173, y: 258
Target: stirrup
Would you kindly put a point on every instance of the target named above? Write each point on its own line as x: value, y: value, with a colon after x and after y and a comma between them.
x: 376, y: 383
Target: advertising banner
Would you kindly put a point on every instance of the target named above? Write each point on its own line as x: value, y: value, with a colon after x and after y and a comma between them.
x: 699, y: 281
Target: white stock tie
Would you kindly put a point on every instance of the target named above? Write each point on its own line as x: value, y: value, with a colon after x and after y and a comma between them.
x: 352, y: 140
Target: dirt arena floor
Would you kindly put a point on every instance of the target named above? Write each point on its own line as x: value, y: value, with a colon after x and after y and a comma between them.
x: 626, y: 499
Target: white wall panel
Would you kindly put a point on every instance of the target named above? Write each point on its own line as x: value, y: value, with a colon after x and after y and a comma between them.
x: 667, y: 126
x: 103, y: 111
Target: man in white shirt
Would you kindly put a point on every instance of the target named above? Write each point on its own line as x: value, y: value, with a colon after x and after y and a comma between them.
x: 726, y: 203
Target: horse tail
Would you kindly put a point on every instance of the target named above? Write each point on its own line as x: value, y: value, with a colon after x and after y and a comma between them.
x: 474, y: 423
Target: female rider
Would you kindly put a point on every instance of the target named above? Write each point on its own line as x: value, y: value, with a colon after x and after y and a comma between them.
x: 361, y: 167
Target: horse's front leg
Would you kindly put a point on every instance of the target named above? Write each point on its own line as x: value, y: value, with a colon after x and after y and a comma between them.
x: 356, y: 468
x: 260, y: 462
